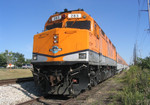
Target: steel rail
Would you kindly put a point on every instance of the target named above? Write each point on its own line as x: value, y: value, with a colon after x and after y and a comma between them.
x: 16, y: 80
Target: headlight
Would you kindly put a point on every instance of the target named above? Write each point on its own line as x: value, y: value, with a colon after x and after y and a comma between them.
x: 82, y: 55
x: 55, y: 37
x: 34, y: 57
x: 55, y: 41
x: 84, y: 16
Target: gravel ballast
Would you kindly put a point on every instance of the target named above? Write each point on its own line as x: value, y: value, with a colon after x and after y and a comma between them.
x: 17, y: 93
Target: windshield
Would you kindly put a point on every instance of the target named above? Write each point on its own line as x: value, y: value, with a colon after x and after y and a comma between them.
x: 28, y: 64
x: 78, y: 24
x: 55, y: 25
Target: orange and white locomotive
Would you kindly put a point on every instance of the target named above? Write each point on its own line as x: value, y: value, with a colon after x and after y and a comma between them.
x: 72, y: 54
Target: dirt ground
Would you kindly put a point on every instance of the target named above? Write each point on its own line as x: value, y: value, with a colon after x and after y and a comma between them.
x: 105, y: 91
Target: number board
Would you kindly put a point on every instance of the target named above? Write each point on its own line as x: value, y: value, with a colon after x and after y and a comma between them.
x: 74, y: 15
x: 56, y: 18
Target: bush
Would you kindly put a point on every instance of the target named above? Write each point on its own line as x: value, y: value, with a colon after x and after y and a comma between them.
x: 137, y: 89
x: 144, y: 63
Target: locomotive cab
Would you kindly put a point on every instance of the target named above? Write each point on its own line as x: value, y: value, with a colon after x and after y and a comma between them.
x: 69, y: 19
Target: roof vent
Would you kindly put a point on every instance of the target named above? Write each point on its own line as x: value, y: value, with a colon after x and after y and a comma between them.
x: 65, y: 10
x: 79, y: 9
x: 56, y: 12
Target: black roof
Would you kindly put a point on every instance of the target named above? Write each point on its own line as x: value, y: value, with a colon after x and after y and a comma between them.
x: 66, y: 11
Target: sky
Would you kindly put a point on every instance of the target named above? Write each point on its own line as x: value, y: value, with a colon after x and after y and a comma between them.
x: 122, y: 21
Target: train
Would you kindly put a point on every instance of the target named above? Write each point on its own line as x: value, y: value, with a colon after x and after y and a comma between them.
x: 73, y: 54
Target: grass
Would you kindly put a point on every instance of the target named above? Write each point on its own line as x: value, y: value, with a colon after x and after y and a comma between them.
x: 136, y: 90
x: 14, y: 73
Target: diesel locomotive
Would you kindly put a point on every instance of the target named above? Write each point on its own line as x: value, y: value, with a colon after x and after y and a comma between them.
x: 72, y: 54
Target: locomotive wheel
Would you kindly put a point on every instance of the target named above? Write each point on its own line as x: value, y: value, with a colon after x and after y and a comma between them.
x: 89, y: 86
x: 93, y: 81
x: 73, y: 93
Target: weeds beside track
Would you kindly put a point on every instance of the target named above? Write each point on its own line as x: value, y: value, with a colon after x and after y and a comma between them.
x: 136, y: 89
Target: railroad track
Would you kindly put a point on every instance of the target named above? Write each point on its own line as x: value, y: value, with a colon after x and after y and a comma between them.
x: 31, y: 101
x: 61, y: 100
x: 64, y: 100
x: 48, y: 100
x: 17, y: 80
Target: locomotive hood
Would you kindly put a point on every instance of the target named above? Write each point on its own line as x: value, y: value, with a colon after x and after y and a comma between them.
x: 54, y: 44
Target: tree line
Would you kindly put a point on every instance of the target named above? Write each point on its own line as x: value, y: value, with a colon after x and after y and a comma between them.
x: 144, y: 62
x: 16, y: 58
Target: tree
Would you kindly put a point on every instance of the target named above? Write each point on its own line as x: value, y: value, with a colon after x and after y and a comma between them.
x: 8, y: 56
x: 28, y: 61
x: 18, y: 59
x: 144, y: 63
x: 3, y: 61
x: 12, y: 57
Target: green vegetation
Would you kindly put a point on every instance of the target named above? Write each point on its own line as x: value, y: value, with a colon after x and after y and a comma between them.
x: 12, y: 58
x: 144, y: 63
x: 3, y: 61
x: 137, y: 87
x: 14, y: 73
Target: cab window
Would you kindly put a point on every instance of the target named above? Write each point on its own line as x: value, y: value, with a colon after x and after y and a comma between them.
x: 55, y: 25
x: 78, y: 24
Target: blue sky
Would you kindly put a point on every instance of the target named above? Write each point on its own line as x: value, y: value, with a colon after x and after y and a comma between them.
x: 120, y: 19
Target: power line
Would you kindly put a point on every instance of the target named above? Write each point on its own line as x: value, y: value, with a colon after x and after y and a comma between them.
x: 148, y: 12
x: 141, y: 8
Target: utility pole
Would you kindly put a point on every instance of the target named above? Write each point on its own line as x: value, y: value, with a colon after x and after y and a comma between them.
x: 135, y: 54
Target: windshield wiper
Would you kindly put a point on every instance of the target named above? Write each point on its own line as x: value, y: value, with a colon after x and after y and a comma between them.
x: 73, y: 22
